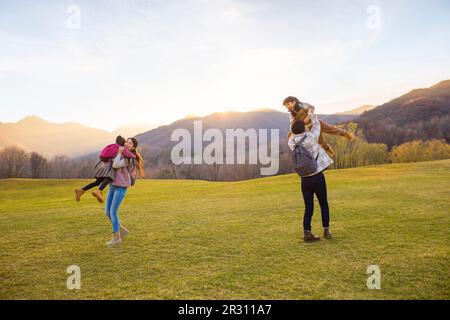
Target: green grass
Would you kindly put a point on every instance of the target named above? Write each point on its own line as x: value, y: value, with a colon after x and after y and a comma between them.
x: 232, y: 240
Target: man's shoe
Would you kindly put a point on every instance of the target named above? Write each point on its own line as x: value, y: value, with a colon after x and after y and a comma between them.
x: 78, y: 194
x: 309, y: 237
x: 327, y: 234
x: 98, y: 195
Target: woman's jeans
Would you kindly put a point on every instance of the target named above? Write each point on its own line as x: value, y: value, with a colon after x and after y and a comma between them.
x: 315, y: 185
x: 115, y: 197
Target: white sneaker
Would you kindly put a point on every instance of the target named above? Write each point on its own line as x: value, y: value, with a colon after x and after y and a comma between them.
x: 114, y: 241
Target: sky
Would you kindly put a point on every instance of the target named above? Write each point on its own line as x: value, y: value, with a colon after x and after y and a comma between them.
x: 107, y: 63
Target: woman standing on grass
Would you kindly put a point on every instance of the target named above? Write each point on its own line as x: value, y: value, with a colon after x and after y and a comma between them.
x: 125, y: 172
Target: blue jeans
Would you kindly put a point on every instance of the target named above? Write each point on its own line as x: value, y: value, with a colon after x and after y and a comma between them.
x: 115, y: 197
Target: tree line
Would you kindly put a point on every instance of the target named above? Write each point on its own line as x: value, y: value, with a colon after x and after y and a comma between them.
x: 16, y: 163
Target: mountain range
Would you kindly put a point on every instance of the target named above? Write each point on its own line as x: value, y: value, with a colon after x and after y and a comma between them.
x: 49, y: 139
x: 74, y: 140
x: 420, y: 114
x: 357, y: 111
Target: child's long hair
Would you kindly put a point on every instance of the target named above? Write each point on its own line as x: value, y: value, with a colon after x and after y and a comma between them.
x: 139, y: 158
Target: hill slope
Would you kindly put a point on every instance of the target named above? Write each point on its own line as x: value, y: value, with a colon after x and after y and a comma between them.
x: 236, y: 240
x: 50, y: 139
x: 357, y: 111
x: 420, y: 114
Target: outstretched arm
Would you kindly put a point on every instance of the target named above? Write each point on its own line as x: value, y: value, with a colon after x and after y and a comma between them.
x: 315, y: 130
x: 310, y: 109
x: 291, y: 143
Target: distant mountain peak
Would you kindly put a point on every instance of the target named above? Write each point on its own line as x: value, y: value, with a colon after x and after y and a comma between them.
x: 32, y: 120
x: 191, y: 116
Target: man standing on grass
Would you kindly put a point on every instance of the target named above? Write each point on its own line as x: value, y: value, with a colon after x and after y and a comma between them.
x: 310, y: 160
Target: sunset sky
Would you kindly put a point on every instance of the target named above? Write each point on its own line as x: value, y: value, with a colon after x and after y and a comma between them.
x: 136, y: 61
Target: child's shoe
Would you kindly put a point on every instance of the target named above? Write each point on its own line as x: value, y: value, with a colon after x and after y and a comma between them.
x: 78, y: 194
x: 327, y: 234
x: 98, y: 195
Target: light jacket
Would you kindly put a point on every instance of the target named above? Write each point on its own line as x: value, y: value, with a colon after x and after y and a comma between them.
x: 311, y: 143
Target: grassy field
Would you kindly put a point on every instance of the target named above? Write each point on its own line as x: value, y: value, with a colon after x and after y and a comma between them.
x: 234, y: 240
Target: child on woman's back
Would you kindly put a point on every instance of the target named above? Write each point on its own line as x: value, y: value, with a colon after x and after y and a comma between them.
x: 103, y: 169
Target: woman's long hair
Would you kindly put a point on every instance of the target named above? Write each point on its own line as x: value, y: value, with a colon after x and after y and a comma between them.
x: 139, y: 158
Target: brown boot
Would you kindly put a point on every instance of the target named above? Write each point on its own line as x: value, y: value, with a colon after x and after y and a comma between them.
x: 78, y: 194
x: 98, y: 195
x: 309, y: 237
x: 350, y: 136
x: 327, y: 234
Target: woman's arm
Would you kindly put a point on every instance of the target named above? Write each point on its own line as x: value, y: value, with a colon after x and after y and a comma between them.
x: 119, y: 162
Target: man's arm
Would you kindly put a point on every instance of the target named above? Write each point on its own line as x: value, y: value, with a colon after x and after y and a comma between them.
x: 315, y: 130
x: 291, y: 143
x: 310, y: 109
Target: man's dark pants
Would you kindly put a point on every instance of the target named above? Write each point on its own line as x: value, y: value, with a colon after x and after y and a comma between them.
x: 315, y: 185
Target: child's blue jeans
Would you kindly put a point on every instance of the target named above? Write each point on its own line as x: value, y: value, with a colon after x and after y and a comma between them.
x: 115, y: 197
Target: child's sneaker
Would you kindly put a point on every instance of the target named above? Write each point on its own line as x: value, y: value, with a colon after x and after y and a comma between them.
x: 327, y: 234
x: 98, y: 195
x: 78, y: 194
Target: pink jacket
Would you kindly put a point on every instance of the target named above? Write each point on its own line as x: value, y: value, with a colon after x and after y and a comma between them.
x: 111, y: 151
x: 124, y: 171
